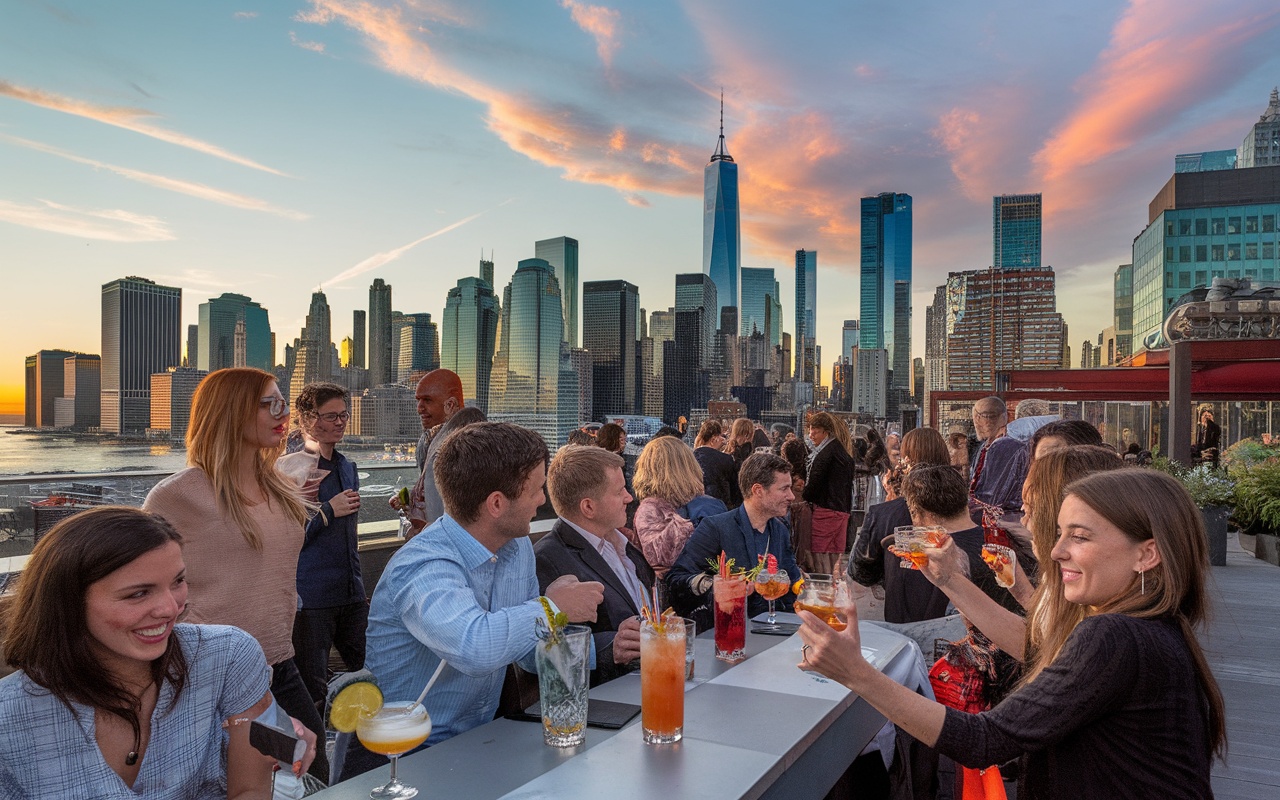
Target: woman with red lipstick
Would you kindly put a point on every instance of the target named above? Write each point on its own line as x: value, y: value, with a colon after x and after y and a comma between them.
x: 114, y: 698
x: 1118, y: 699
x: 242, y: 523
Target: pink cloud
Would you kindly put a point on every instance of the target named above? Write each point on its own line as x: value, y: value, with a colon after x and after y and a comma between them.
x: 601, y: 23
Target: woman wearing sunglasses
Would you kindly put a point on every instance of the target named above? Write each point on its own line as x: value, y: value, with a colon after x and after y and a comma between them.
x: 242, y: 523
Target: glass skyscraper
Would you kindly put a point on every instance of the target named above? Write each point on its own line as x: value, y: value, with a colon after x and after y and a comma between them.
x: 693, y: 291
x: 467, y: 341
x: 885, y: 280
x: 721, y: 236
x: 141, y: 335
x: 525, y: 387
x: 610, y: 331
x: 419, y: 346
x: 215, y: 344
x: 381, y: 367
x: 761, y: 308
x: 562, y: 254
x: 1015, y: 222
x: 806, y: 315
x: 1201, y: 226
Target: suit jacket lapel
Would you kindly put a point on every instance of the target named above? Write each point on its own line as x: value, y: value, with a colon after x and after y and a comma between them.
x: 748, y: 537
x: 595, y: 563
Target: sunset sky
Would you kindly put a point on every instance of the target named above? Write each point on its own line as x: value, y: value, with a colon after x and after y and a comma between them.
x: 273, y: 148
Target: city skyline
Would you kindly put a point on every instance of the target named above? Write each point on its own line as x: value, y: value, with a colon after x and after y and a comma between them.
x: 389, y: 141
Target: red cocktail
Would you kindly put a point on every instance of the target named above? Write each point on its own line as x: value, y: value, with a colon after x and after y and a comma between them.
x: 730, y: 603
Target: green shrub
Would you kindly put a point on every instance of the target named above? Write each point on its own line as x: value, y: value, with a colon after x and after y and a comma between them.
x: 1258, y: 496
x: 1208, y: 486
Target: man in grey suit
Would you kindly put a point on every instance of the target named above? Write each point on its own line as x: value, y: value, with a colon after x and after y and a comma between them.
x: 590, y: 495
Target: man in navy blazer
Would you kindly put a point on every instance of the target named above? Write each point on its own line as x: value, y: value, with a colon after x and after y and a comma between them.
x: 751, y: 530
x: 590, y: 495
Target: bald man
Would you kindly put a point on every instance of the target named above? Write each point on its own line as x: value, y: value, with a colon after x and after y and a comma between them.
x: 439, y: 396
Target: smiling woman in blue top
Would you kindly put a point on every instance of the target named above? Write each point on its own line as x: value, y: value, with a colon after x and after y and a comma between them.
x: 113, y: 697
x: 751, y: 530
x: 465, y: 590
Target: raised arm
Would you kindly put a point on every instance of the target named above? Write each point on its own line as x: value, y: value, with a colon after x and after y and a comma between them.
x: 947, y: 569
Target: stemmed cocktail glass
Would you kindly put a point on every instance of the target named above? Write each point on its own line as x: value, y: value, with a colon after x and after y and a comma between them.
x: 396, y: 729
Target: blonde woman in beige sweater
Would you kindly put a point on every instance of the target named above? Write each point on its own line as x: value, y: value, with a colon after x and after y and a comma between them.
x: 242, y: 523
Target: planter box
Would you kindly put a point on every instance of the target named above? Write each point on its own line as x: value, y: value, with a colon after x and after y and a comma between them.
x: 1267, y: 548
x: 1215, y: 525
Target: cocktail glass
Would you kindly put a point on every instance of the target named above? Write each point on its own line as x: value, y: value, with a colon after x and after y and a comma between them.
x: 396, y: 729
x: 662, y: 671
x: 563, y: 669
x: 772, y: 586
x: 909, y: 543
x: 730, y: 606
x: 822, y: 597
x: 1000, y: 559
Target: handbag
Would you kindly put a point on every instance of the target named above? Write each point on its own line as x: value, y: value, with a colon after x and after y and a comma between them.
x: 962, y: 680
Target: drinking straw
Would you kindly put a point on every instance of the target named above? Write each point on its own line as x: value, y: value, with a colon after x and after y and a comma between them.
x: 430, y: 683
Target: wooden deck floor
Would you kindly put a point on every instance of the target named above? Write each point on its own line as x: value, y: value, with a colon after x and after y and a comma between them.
x: 1242, y: 644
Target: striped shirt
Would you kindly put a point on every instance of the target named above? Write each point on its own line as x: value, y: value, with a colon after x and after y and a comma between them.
x: 445, y: 595
x: 48, y: 751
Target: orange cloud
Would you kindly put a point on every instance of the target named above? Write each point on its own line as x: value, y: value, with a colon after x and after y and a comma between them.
x: 601, y: 23
x: 130, y: 119
x: 1163, y: 58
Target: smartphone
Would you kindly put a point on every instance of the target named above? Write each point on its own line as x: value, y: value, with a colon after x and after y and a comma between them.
x: 283, y: 747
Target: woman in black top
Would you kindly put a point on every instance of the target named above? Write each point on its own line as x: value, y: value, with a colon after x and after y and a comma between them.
x: 1118, y: 700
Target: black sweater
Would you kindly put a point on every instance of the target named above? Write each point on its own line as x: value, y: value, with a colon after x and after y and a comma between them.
x: 1119, y: 713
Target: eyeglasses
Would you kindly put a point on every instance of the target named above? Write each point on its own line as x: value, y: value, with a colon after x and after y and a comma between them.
x: 334, y: 416
x: 989, y: 414
x: 276, y: 406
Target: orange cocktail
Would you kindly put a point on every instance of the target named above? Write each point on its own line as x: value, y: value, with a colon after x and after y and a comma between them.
x: 909, y: 542
x: 825, y: 613
x: 662, y: 670
x: 822, y: 597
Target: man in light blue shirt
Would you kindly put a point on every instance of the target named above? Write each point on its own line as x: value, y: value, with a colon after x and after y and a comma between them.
x: 466, y: 589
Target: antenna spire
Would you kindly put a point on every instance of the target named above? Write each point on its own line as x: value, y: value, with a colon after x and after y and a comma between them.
x: 721, y: 154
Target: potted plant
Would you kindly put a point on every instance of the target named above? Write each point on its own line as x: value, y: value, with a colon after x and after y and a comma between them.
x: 1214, y: 492
x: 1258, y: 506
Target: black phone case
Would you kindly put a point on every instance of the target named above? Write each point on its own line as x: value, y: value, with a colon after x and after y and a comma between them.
x: 271, y: 742
x: 605, y: 714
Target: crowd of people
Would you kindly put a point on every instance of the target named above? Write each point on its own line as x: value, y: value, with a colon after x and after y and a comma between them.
x: 145, y: 640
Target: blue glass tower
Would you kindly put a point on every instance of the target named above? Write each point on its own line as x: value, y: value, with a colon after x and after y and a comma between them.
x: 885, y: 322
x: 806, y: 315
x: 721, y: 235
x: 759, y: 294
x: 467, y: 338
x: 1015, y: 223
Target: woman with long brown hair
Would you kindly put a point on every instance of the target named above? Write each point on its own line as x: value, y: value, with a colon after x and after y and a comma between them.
x: 242, y: 522
x: 115, y: 697
x: 1118, y: 700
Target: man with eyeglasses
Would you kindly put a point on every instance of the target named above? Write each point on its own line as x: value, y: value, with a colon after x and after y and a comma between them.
x: 333, y: 611
x: 1000, y: 466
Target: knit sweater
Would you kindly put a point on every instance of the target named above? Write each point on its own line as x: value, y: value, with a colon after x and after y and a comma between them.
x: 1119, y: 713
x: 229, y: 582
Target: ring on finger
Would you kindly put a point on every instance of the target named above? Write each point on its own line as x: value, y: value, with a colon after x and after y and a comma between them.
x: 804, y: 652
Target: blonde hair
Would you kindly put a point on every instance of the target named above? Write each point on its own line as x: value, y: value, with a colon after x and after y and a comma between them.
x: 225, y: 402
x: 576, y: 472
x: 741, y: 432
x: 667, y: 469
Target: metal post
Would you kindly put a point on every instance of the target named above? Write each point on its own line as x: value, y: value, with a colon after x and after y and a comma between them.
x: 1179, y: 428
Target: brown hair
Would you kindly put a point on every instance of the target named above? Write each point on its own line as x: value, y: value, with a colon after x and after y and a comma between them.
x: 760, y: 468
x: 667, y: 469
x: 1146, y: 505
x: 225, y: 402
x: 46, y: 633
x: 833, y: 428
x: 611, y: 437
x: 925, y: 447
x: 740, y: 432
x: 708, y: 431
x: 484, y: 458
x: 1046, y: 479
x: 577, y: 472
x: 937, y: 490
x: 1071, y: 431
